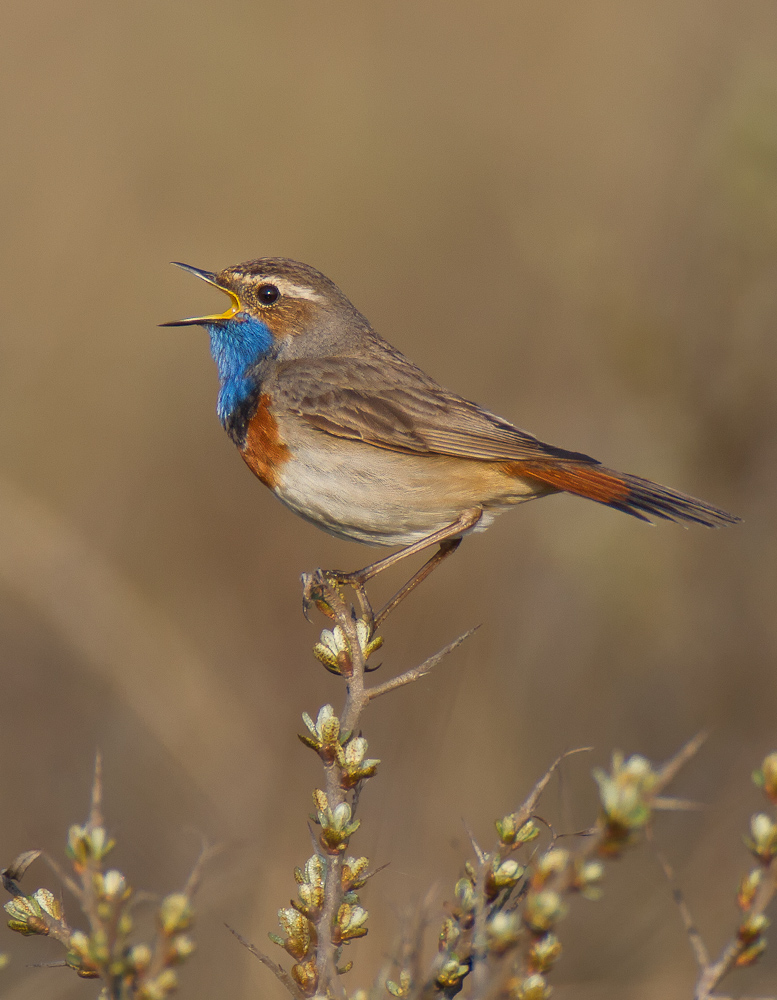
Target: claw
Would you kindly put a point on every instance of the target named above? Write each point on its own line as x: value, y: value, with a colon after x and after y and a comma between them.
x: 314, y: 592
x: 307, y: 600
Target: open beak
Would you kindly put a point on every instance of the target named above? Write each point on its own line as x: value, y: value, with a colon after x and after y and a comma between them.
x: 234, y: 306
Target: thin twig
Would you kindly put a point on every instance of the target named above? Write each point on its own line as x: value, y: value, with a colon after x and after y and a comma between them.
x: 697, y: 944
x: 408, y: 956
x: 524, y: 813
x: 96, y: 811
x: 161, y: 951
x: 417, y: 672
x: 671, y: 804
x: 92, y: 865
x: 479, y: 951
x: 671, y: 768
x: 207, y: 852
x: 62, y: 875
x: 277, y: 970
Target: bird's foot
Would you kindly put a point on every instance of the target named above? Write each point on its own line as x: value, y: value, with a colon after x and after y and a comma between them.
x: 322, y: 586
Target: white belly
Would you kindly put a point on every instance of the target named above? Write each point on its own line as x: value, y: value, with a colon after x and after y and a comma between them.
x: 381, y: 497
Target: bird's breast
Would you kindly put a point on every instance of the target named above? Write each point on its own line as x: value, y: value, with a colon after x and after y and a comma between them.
x: 264, y: 451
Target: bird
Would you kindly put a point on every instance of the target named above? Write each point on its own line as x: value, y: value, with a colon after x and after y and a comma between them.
x: 355, y: 438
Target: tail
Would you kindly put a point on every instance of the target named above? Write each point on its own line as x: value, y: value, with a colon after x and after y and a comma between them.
x: 632, y: 495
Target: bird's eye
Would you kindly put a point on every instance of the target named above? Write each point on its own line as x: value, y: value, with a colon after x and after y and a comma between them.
x: 267, y: 294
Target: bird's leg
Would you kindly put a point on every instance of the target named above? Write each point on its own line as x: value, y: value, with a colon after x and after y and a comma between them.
x: 449, y: 534
x: 364, y: 605
x: 448, y: 547
x: 466, y: 520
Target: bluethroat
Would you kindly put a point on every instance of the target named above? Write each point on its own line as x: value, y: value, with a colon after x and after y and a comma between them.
x: 356, y: 439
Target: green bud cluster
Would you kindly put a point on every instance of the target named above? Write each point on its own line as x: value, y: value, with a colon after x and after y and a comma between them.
x: 104, y: 951
x: 299, y: 936
x: 334, y: 651
x: 346, y: 751
x: 756, y: 887
x: 626, y: 794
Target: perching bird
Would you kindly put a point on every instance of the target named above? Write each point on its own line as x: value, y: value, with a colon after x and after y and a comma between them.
x: 354, y: 437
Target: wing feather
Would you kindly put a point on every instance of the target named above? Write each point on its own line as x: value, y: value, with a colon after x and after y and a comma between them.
x: 400, y: 408
x: 397, y: 407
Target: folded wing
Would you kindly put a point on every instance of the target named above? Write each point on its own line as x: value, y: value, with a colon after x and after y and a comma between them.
x: 399, y: 408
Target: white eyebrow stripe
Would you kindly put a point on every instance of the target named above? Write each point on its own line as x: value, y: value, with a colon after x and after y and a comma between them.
x: 297, y: 291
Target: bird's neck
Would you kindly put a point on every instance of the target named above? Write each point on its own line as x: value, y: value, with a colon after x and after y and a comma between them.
x: 238, y: 348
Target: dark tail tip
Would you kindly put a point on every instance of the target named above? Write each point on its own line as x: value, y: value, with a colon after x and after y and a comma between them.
x: 646, y: 499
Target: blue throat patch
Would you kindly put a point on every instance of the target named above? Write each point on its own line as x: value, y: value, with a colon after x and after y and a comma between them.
x: 236, y: 346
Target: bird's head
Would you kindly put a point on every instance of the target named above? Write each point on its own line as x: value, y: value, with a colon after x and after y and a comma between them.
x: 277, y: 308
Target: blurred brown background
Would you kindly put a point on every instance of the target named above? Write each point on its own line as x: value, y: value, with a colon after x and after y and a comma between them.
x: 565, y: 211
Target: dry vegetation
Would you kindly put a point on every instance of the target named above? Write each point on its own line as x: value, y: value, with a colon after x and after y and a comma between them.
x: 500, y: 935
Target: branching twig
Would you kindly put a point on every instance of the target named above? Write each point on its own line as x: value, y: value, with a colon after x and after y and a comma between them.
x: 712, y: 974
x: 341, y: 791
x: 756, y: 893
x: 417, y: 672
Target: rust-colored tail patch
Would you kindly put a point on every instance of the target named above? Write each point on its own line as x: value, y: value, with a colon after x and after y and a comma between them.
x: 632, y: 495
x: 584, y: 481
